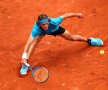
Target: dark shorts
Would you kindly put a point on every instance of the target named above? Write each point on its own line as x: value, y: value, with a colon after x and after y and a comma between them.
x: 60, y: 31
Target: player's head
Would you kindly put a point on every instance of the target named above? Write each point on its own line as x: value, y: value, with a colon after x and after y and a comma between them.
x: 43, y: 21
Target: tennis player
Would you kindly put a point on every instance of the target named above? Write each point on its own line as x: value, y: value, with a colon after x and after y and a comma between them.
x: 46, y: 25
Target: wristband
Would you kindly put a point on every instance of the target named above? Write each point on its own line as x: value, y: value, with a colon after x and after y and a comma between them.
x: 24, y: 55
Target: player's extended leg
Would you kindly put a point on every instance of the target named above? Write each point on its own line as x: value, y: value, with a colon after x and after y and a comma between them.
x: 67, y: 35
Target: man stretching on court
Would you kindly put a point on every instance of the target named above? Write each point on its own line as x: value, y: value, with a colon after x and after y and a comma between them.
x: 49, y: 26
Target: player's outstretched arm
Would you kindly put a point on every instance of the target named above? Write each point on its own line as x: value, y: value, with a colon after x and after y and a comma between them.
x: 29, y: 42
x: 26, y: 49
x: 30, y: 46
x: 69, y: 15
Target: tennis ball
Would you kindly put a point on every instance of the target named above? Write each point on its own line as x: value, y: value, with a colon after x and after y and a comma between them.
x: 102, y: 52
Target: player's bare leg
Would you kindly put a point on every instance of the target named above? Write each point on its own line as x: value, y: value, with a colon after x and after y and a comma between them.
x: 69, y: 36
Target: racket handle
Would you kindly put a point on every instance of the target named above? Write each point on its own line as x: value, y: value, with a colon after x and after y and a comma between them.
x: 27, y: 64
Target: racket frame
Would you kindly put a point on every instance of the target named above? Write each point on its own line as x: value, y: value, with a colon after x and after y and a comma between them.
x: 34, y: 68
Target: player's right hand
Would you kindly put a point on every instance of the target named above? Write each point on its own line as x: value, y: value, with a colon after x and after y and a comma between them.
x: 24, y: 61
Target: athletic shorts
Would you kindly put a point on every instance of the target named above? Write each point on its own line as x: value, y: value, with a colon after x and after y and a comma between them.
x: 60, y: 31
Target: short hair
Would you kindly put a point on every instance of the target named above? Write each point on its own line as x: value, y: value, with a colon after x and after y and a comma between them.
x: 42, y: 16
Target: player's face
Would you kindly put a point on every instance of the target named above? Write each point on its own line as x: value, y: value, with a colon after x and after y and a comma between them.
x: 44, y: 25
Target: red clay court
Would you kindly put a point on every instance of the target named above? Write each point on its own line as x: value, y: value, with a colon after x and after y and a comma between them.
x: 72, y: 65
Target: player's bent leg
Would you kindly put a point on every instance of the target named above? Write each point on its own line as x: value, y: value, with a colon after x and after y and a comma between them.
x: 67, y: 35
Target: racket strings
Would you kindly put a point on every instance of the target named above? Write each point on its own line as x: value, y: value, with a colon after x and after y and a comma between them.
x: 40, y: 75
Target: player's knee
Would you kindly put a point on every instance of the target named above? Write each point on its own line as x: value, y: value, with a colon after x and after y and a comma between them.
x: 68, y: 37
x: 71, y: 37
x: 74, y: 37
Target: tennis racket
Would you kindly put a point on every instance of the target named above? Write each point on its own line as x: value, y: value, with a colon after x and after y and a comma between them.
x: 40, y: 74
